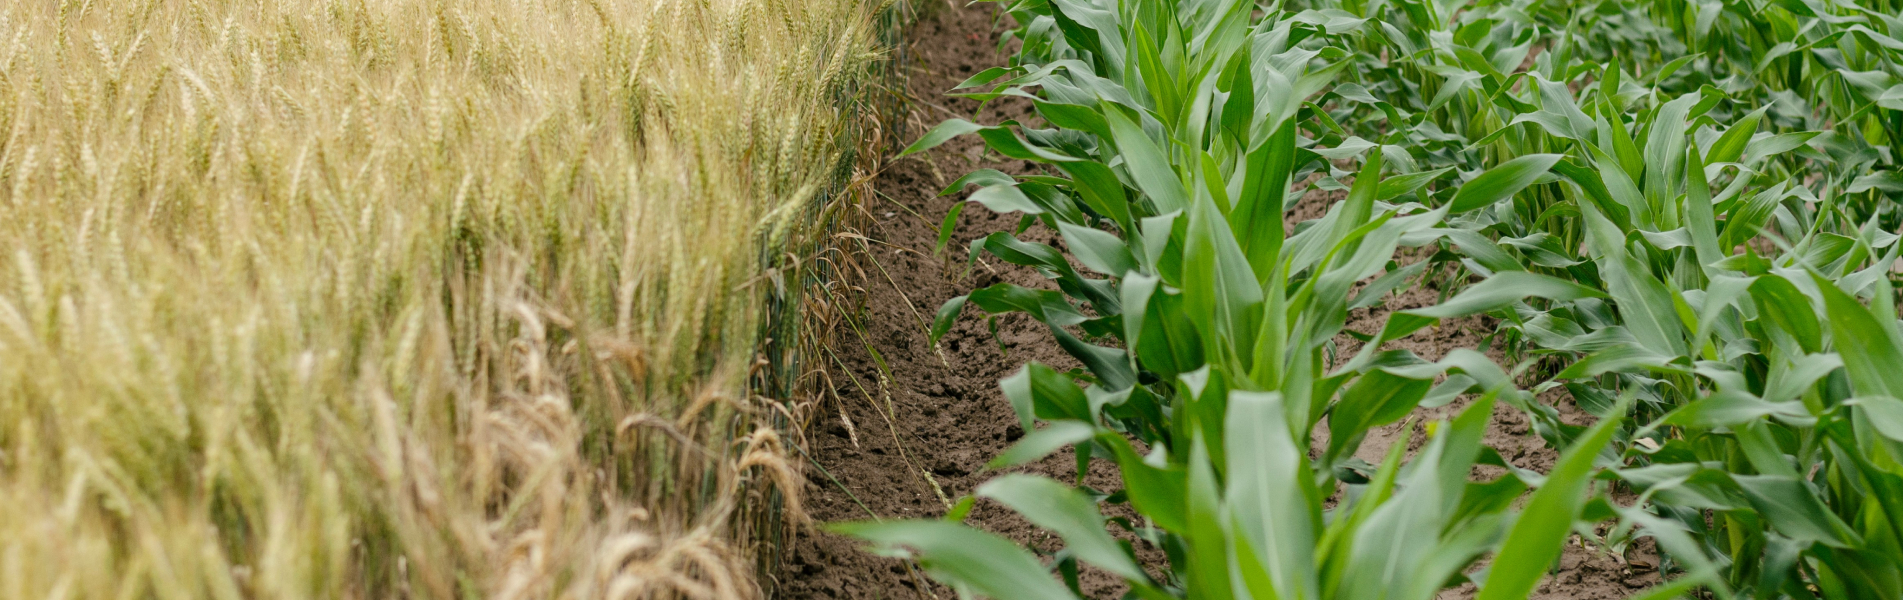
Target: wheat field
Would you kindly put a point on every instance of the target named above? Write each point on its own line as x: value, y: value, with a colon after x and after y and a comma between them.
x: 403, y: 298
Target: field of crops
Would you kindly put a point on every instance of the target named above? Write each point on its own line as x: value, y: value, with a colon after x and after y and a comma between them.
x: 1676, y: 224
x: 1318, y: 299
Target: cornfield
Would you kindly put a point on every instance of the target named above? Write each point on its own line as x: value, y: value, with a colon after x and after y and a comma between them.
x: 1681, y: 215
x: 411, y: 297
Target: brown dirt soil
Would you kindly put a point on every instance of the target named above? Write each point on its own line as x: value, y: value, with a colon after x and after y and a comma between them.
x: 903, y: 440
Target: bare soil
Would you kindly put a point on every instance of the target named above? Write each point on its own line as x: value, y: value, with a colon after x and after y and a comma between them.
x: 906, y: 438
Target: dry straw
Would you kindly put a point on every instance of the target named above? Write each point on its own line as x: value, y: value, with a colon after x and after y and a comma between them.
x: 433, y: 298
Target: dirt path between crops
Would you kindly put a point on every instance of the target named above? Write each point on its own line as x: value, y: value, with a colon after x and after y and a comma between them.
x: 905, y: 437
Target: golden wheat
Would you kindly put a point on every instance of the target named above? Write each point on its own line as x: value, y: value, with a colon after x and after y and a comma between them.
x: 401, y: 297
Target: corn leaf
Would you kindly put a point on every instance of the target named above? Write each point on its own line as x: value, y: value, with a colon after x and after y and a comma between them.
x: 1534, y: 542
x: 1502, y: 182
x: 1066, y: 511
x: 984, y: 562
x: 1502, y: 290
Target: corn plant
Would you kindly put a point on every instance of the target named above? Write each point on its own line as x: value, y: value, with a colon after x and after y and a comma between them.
x: 1179, y: 126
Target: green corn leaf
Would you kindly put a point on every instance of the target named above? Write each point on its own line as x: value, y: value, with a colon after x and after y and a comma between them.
x: 1376, y: 399
x: 1610, y: 79
x: 1748, y: 216
x: 1037, y: 444
x: 1766, y: 146
x: 1395, y: 187
x: 1208, y: 568
x: 1613, y: 134
x: 1502, y: 290
x: 1399, y: 325
x: 1256, y: 220
x: 987, y: 76
x: 1721, y: 292
x: 1666, y: 71
x: 1699, y: 220
x: 1543, y: 249
x: 1888, y: 181
x: 1553, y: 123
x: 1168, y: 343
x: 1554, y: 96
x: 1394, y: 548
x: 1595, y: 189
x: 1220, y: 290
x: 1868, y: 343
x: 1667, y: 240
x: 1103, y: 252
x: 1074, y: 116
x: 1341, y: 230
x: 1620, y: 187
x: 1209, y: 174
x: 1502, y: 182
x: 1620, y: 358
x: 1147, y: 163
x: 1136, y: 291
x: 1730, y: 146
x: 1006, y: 199
x: 947, y: 316
x: 944, y: 132
x: 1454, y: 469
x: 1673, y: 539
x: 1665, y: 158
x: 1378, y: 289
x: 1157, y: 492
x: 1731, y: 408
x: 1339, y: 545
x: 1003, y: 140
x: 980, y: 178
x: 1687, y: 485
x: 1089, y: 27
x: 1148, y: 54
x: 1048, y: 307
x: 1350, y: 148
x: 1110, y: 365
x: 1482, y: 250
x: 1271, y: 341
x: 976, y: 560
x: 1099, y: 188
x: 1039, y: 256
x: 1785, y: 307
x: 1039, y: 392
x: 1066, y: 511
x: 1793, y: 509
x: 1271, y: 501
x: 1535, y: 540
x: 1792, y: 378
x: 1204, y: 395
x: 1238, y: 83
x: 1884, y: 413
x: 1824, y: 251
x: 945, y: 228
x: 1644, y: 301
